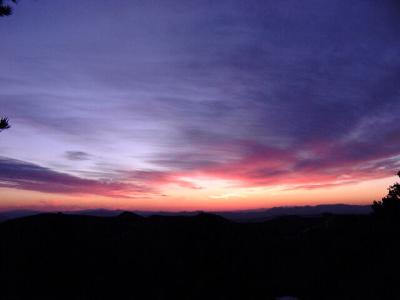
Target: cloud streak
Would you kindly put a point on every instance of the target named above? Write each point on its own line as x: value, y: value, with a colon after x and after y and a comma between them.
x: 27, y: 176
x: 77, y: 155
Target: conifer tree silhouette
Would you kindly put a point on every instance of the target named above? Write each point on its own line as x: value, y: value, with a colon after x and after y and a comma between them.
x: 389, y: 206
x: 4, y: 124
x: 6, y: 9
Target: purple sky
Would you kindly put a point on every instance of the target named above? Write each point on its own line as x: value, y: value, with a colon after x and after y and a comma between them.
x: 156, y: 99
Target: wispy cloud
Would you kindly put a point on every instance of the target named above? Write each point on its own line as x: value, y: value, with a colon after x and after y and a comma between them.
x: 27, y: 176
x: 77, y: 155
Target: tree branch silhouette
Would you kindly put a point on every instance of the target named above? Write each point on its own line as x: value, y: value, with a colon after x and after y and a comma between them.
x: 389, y: 206
x: 4, y: 124
x: 6, y: 9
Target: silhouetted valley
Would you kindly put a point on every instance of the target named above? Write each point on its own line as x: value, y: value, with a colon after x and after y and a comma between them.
x: 60, y: 256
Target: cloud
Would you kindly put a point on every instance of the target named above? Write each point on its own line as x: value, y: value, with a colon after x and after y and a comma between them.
x: 156, y: 179
x: 77, y: 155
x: 308, y: 167
x: 227, y: 196
x: 28, y: 176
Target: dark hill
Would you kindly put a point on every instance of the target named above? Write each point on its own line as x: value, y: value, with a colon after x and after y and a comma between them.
x: 62, y: 256
x: 255, y: 215
x: 127, y: 215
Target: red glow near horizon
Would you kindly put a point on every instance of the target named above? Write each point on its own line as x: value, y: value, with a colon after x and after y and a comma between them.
x: 209, y: 195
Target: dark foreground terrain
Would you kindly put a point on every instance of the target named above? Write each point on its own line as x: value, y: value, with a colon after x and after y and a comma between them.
x: 56, y: 256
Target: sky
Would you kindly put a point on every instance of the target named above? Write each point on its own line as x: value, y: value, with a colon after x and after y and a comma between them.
x: 198, y: 105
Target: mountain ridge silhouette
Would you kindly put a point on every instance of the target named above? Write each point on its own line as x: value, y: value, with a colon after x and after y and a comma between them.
x: 200, y: 256
x: 253, y: 215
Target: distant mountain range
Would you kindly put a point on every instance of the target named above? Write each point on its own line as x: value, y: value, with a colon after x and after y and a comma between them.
x: 346, y: 255
x: 257, y: 215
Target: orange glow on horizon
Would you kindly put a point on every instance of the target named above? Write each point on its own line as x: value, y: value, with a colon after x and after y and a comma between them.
x: 208, y: 195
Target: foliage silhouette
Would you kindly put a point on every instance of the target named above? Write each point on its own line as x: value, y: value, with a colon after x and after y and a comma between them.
x: 6, y: 9
x: 4, y: 124
x: 198, y: 257
x: 389, y: 206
